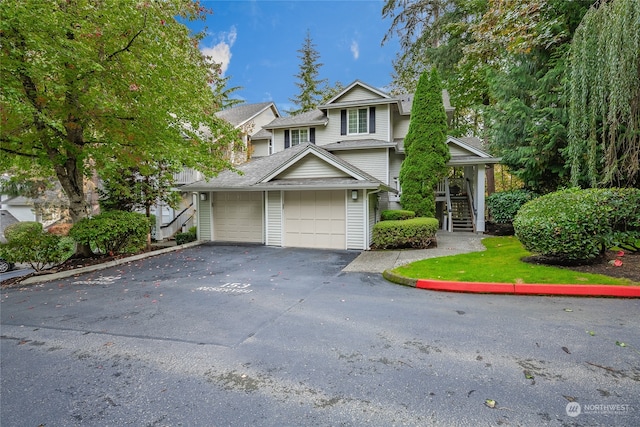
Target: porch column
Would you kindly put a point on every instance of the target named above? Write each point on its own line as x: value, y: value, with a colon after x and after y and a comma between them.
x: 480, y: 190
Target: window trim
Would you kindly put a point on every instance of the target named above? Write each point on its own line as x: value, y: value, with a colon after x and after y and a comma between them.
x: 298, y: 130
x: 365, y: 124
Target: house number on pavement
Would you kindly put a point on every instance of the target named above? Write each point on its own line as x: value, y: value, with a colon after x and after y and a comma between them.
x: 229, y: 288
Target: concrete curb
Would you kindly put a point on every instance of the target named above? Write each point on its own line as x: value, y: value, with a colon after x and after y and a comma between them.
x: 531, y: 289
x: 63, y: 274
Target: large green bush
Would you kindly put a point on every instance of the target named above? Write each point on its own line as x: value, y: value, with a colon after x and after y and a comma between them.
x: 396, y: 215
x: 14, y: 230
x: 416, y: 233
x: 504, y: 205
x: 578, y: 225
x: 27, y: 243
x: 113, y: 232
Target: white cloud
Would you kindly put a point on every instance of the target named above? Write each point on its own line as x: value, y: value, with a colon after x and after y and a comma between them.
x: 221, y: 52
x: 355, y: 49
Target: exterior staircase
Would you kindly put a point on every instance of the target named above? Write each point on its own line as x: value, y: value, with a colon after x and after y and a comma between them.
x: 461, y: 216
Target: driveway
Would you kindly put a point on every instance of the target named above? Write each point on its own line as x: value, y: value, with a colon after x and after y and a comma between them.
x: 252, y: 335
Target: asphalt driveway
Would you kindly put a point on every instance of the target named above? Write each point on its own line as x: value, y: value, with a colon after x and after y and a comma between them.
x: 252, y: 335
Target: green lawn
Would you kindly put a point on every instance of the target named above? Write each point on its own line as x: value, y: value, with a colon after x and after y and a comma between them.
x: 500, y: 263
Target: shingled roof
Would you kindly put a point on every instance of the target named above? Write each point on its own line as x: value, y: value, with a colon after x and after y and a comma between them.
x: 241, y: 113
x: 254, y: 174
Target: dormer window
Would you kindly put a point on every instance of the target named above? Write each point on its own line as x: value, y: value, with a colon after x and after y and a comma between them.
x: 299, y: 136
x: 358, y: 121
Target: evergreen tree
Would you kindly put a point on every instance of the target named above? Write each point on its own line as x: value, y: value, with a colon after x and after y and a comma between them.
x: 425, y: 145
x: 311, y: 87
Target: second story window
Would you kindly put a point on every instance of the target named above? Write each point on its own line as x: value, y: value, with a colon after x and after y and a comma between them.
x: 299, y: 136
x: 358, y: 120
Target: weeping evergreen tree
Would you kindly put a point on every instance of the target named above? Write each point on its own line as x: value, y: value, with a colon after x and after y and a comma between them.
x: 425, y: 145
x: 604, y: 96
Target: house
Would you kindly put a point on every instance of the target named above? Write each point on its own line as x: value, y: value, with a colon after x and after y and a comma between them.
x: 320, y: 179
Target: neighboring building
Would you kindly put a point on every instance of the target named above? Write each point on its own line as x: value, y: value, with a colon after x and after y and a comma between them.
x: 320, y: 179
x: 249, y: 119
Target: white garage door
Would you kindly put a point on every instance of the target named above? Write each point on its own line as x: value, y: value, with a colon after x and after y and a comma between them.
x: 237, y: 217
x: 315, y: 219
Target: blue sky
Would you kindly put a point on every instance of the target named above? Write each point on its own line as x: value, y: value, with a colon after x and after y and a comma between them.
x: 257, y: 43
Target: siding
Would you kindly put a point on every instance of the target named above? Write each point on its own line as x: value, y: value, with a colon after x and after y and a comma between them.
x: 260, y: 148
x: 400, y: 125
x: 358, y: 93
x: 311, y: 167
x: 204, y: 219
x: 355, y: 221
x: 457, y: 151
x: 274, y: 218
x: 331, y: 133
x: 372, y: 161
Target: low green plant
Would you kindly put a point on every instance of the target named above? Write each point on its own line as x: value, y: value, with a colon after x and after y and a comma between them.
x: 189, y: 236
x: 30, y: 245
x: 396, y: 215
x: 578, y: 225
x: 113, y: 232
x: 414, y: 233
x: 500, y: 263
x: 504, y: 205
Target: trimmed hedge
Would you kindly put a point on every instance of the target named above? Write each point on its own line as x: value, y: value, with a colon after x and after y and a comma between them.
x: 113, y: 232
x: 504, y: 205
x: 27, y: 243
x: 396, y: 215
x: 577, y: 225
x: 417, y: 233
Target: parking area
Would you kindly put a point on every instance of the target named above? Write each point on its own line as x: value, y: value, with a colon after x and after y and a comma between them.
x: 253, y: 335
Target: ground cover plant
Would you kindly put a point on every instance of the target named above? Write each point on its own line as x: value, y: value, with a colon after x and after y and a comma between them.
x: 502, y: 263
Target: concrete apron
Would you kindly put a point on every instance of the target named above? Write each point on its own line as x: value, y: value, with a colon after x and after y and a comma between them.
x: 448, y: 244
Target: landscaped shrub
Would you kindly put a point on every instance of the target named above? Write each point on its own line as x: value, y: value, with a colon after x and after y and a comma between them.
x: 30, y: 245
x: 504, y: 205
x: 16, y: 229
x: 190, y: 236
x: 578, y: 225
x: 396, y: 215
x: 113, y: 232
x: 417, y: 233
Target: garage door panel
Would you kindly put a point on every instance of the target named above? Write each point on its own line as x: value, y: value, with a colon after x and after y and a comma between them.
x: 237, y: 217
x: 315, y: 219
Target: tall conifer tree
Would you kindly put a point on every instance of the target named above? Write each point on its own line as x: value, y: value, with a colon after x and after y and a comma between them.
x: 311, y: 87
x: 425, y: 147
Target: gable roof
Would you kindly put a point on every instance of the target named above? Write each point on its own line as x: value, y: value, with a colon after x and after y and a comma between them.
x: 241, y: 114
x: 313, y: 117
x: 471, y: 150
x: 375, y: 91
x: 261, y: 174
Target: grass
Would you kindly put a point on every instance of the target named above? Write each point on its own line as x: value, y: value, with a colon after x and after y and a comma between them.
x: 500, y: 263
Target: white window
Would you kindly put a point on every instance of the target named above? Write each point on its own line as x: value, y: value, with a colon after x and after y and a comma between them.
x: 358, y: 120
x: 299, y: 136
x: 270, y: 146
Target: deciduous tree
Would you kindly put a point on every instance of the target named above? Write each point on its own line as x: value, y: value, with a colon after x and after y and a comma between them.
x: 91, y: 83
x: 604, y: 94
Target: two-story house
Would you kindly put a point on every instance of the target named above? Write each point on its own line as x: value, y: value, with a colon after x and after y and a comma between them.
x: 320, y: 179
